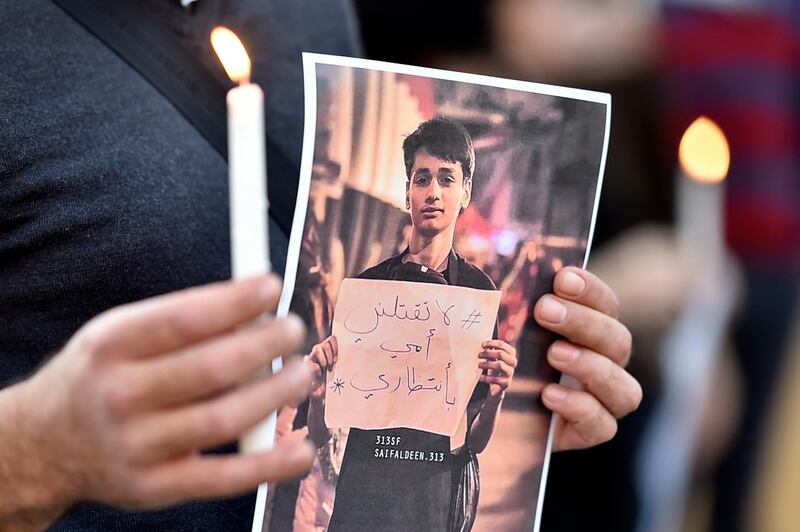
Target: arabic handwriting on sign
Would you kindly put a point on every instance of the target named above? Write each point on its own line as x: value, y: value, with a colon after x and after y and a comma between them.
x: 447, y: 385
x: 414, y: 387
x: 400, y: 311
x: 419, y: 312
x: 411, y: 380
x: 359, y: 330
x: 407, y: 349
x: 444, y: 312
x: 379, y: 388
x: 428, y: 349
x: 381, y: 377
x: 471, y: 320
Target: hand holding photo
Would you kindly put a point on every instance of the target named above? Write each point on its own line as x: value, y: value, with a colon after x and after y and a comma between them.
x: 434, y: 210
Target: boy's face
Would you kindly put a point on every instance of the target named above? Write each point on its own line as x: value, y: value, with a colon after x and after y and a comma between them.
x: 436, y: 193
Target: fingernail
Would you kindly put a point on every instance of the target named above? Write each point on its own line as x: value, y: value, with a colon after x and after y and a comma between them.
x: 295, y: 325
x: 299, y: 373
x: 555, y: 394
x: 267, y: 288
x: 553, y: 311
x: 563, y: 353
x: 572, y: 284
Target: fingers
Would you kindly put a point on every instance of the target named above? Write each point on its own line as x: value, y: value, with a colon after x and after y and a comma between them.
x: 587, y: 289
x: 326, y: 353
x: 500, y: 359
x: 334, y: 347
x: 490, y: 353
x: 174, y: 320
x: 329, y: 354
x: 586, y: 421
x: 497, y: 344
x: 207, y: 368
x: 585, y: 326
x: 317, y: 370
x: 584, y: 310
x: 614, y: 387
x: 215, y: 476
x: 498, y: 356
x: 499, y: 350
x: 216, y: 421
x: 317, y: 356
x: 502, y: 380
x: 497, y: 366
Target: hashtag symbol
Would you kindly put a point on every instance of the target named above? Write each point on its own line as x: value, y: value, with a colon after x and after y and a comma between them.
x: 471, y: 320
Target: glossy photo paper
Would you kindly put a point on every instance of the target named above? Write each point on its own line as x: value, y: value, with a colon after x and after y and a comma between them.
x: 434, y: 209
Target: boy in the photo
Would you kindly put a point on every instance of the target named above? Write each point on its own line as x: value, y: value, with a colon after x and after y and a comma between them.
x: 440, y: 161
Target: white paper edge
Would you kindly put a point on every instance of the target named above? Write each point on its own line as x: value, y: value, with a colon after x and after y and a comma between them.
x: 310, y: 61
x: 295, y: 239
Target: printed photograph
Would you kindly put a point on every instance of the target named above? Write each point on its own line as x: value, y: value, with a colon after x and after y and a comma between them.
x: 434, y: 210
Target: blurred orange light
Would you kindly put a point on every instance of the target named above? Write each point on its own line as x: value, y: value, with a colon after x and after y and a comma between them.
x: 704, y: 153
x: 231, y: 53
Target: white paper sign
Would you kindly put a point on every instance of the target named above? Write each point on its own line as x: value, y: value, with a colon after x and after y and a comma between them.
x: 408, y: 354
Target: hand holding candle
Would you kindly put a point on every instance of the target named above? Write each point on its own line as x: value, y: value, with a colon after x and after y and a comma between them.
x: 247, y: 185
x: 690, y: 348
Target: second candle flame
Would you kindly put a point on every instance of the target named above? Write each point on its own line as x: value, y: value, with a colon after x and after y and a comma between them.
x: 704, y: 153
x: 231, y: 53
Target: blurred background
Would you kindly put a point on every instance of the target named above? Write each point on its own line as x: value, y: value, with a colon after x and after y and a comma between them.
x: 715, y: 445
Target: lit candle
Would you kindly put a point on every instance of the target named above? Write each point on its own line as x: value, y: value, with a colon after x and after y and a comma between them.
x: 705, y: 157
x: 690, y: 347
x: 247, y: 184
x: 247, y: 180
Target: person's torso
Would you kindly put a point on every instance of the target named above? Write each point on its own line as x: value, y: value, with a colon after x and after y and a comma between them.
x: 393, y: 480
x: 109, y: 195
x: 402, y: 479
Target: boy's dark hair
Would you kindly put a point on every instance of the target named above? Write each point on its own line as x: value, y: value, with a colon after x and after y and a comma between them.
x: 443, y: 138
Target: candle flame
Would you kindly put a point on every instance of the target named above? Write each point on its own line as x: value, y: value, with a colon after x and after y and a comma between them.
x: 231, y: 53
x: 704, y: 152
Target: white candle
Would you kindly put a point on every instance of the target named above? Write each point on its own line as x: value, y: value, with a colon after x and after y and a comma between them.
x: 246, y: 161
x: 247, y: 182
x: 704, y: 157
x: 690, y: 347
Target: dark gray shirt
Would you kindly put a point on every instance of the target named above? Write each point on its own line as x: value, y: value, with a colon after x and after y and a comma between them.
x: 109, y: 195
